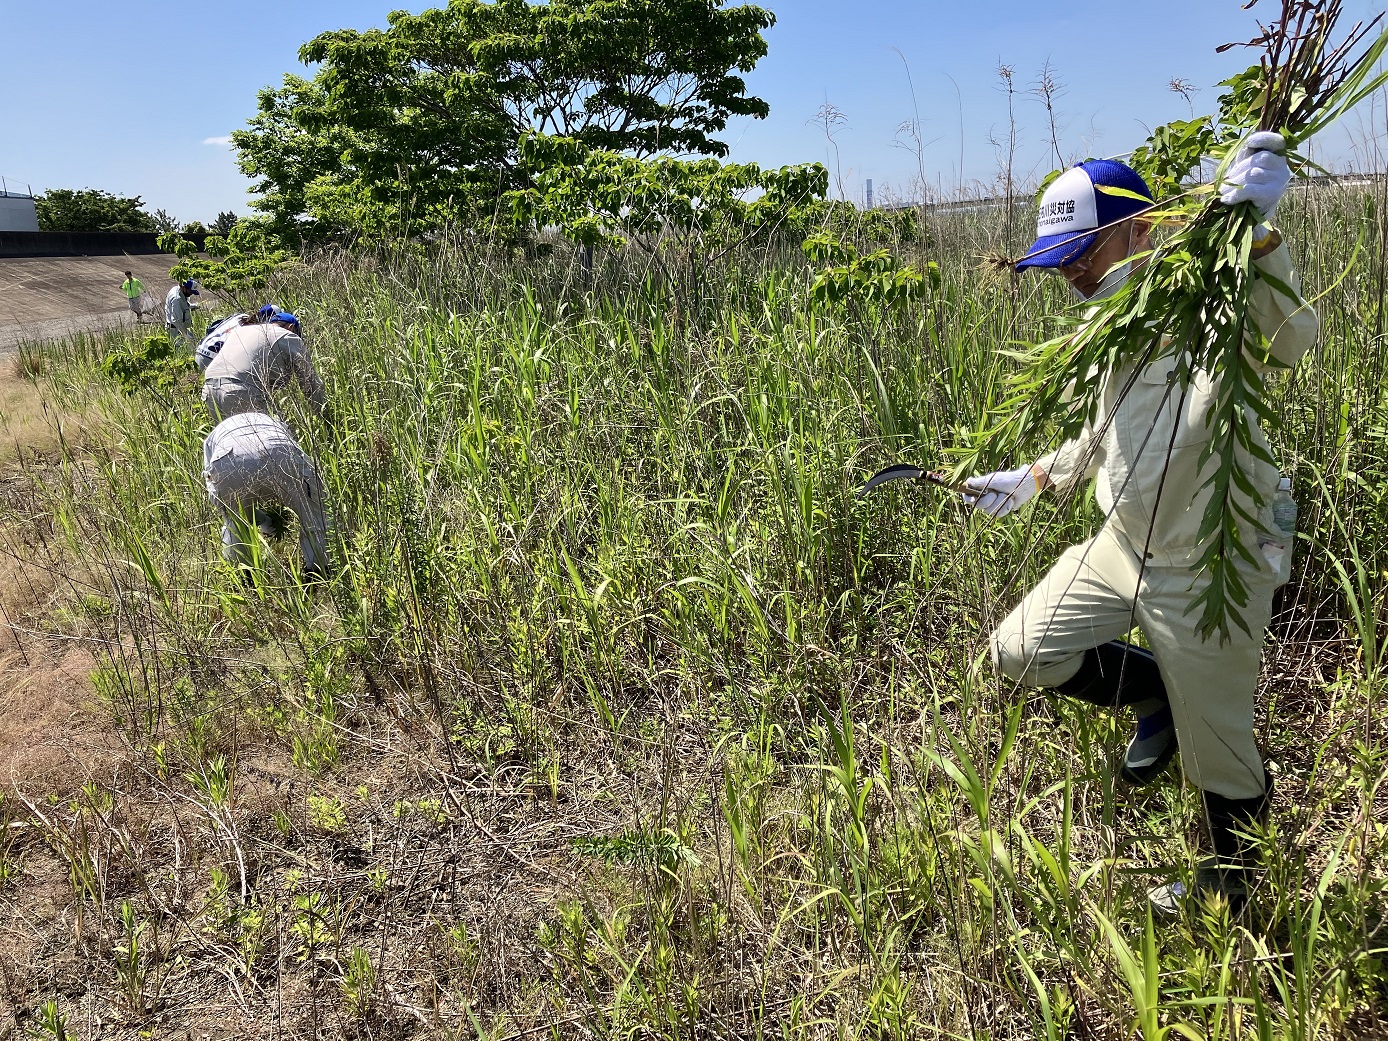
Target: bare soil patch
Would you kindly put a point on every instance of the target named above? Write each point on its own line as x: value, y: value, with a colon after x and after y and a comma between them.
x: 49, y: 740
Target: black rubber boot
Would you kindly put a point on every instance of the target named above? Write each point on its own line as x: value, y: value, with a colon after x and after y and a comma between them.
x: 1232, y: 871
x: 1232, y: 824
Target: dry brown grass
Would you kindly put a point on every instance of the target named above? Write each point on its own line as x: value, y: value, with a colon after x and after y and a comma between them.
x: 29, y: 419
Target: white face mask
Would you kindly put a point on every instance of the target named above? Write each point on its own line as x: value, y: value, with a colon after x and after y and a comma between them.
x: 1112, y: 281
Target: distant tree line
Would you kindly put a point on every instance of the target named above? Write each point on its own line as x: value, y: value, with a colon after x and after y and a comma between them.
x: 499, y: 114
x: 93, y: 210
x: 64, y: 209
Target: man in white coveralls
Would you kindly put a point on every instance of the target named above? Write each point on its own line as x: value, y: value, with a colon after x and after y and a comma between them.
x: 254, y: 361
x: 1145, y: 451
x: 252, y: 465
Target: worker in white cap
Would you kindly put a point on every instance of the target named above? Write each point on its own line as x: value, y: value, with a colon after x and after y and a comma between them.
x: 178, y: 313
x: 256, y: 360
x: 1145, y: 451
x: 253, y: 467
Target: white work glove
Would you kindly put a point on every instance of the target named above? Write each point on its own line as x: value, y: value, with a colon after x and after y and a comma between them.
x: 998, y: 494
x: 1259, y: 175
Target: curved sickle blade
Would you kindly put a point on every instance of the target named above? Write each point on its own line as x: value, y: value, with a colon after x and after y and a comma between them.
x: 899, y: 472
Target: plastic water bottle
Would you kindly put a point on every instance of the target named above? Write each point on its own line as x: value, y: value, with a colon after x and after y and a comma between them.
x: 1279, y: 553
x: 1284, y: 509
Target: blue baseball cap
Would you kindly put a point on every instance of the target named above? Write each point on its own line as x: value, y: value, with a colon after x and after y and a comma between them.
x: 191, y: 288
x: 288, y: 319
x: 1075, y: 207
x: 267, y: 312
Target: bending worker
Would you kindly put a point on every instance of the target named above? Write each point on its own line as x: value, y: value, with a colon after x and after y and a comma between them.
x: 1145, y: 449
x: 253, y: 467
x: 178, y: 312
x: 256, y: 359
x: 215, y: 338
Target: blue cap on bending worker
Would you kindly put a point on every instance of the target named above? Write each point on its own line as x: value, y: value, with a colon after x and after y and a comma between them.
x: 1075, y: 207
x: 190, y: 288
x: 287, y: 319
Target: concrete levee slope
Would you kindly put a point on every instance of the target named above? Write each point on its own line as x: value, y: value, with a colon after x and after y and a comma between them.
x: 43, y: 297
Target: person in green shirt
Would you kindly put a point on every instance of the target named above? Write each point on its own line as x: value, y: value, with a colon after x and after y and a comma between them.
x: 134, y: 293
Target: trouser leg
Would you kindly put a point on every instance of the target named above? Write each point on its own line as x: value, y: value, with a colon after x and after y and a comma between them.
x: 1051, y: 637
x: 1055, y: 638
x: 229, y: 399
x: 238, y: 530
x: 1211, y: 683
x: 232, y: 487
x: 303, y: 494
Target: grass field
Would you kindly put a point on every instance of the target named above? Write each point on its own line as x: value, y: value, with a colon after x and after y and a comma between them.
x: 623, y: 717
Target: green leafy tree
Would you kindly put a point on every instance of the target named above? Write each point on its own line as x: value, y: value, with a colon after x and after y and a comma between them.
x: 226, y: 220
x: 236, y: 267
x: 165, y: 222
x: 89, y: 209
x: 294, y: 146
x: 597, y: 197
x: 419, y: 124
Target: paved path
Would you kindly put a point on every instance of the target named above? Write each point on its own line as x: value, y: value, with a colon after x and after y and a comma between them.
x: 12, y: 335
x: 46, y: 297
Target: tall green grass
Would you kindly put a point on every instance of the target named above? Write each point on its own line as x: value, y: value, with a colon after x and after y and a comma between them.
x: 624, y: 716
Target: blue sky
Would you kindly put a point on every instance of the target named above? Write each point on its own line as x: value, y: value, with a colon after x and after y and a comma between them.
x: 135, y: 97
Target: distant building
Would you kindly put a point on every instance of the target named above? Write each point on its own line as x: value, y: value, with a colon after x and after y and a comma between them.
x: 17, y: 212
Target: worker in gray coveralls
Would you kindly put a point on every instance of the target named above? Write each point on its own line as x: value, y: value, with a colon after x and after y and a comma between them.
x: 252, y: 466
x: 178, y: 313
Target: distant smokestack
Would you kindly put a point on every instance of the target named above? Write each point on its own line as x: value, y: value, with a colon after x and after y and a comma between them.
x: 869, y: 193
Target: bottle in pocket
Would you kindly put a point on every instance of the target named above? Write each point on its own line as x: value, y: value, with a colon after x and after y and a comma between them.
x: 1278, y: 547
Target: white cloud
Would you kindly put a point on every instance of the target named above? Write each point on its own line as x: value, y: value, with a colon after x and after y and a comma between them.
x: 226, y: 140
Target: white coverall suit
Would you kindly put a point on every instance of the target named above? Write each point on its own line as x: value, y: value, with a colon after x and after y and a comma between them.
x: 255, y: 361
x: 252, y: 460
x: 178, y: 317
x: 1137, y: 569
